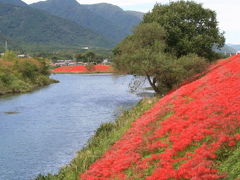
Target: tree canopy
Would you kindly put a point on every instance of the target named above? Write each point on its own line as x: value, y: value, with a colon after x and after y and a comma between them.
x: 89, y: 57
x: 143, y: 54
x: 173, y: 43
x: 189, y: 27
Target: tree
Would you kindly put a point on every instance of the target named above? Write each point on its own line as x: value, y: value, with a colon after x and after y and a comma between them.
x: 80, y: 57
x: 143, y: 54
x: 189, y: 28
x: 90, y: 56
x: 87, y: 56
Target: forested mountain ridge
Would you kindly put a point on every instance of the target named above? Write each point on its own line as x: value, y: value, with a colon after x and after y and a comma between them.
x: 136, y: 13
x: 235, y: 46
x: 107, y: 20
x: 226, y: 49
x: 63, y: 24
x: 14, y: 2
x: 26, y: 25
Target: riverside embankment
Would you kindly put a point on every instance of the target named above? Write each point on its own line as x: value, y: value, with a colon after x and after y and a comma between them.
x: 20, y: 75
x: 191, y: 133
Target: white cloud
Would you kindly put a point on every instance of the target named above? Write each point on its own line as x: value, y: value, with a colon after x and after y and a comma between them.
x: 228, y: 12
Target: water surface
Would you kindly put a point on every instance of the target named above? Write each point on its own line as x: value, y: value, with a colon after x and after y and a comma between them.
x: 41, y: 131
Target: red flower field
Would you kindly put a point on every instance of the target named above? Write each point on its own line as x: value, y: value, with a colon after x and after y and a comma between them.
x: 182, y: 135
x: 83, y: 69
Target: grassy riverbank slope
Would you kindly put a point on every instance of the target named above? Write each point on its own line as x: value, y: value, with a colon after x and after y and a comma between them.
x: 18, y: 75
x: 191, y: 133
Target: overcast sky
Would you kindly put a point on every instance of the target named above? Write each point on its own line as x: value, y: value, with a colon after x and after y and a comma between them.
x: 228, y: 12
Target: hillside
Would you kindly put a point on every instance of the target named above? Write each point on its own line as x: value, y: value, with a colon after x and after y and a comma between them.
x: 226, y: 49
x: 10, y: 43
x: 235, y: 46
x: 105, y: 19
x: 14, y: 2
x: 191, y: 133
x: 124, y: 20
x: 32, y: 28
x: 136, y: 13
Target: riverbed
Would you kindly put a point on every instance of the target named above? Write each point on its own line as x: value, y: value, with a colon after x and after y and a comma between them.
x: 41, y: 131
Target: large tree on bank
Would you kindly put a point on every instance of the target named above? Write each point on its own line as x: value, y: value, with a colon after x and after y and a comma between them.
x: 173, y: 43
x: 189, y: 28
x: 143, y: 54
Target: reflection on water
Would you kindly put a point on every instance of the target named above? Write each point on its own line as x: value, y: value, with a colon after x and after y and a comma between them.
x: 13, y: 112
x: 41, y: 131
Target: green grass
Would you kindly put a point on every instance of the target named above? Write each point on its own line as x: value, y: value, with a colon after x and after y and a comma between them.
x: 106, y: 135
x: 228, y: 161
x: 230, y: 166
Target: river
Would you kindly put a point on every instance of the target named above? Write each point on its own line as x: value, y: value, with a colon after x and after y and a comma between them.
x: 41, y: 131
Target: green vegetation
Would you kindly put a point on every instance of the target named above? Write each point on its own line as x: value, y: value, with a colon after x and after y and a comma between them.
x: 227, y: 161
x: 110, y: 21
x: 189, y: 28
x: 230, y: 163
x: 92, y: 57
x: 106, y: 135
x: 88, y: 56
x: 19, y: 75
x: 143, y: 54
x: 31, y: 29
x: 63, y: 25
x: 173, y: 43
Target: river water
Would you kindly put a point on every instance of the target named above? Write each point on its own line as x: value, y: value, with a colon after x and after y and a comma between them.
x: 41, y: 131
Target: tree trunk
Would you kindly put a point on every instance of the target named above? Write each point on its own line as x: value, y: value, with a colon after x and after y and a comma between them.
x: 153, y: 84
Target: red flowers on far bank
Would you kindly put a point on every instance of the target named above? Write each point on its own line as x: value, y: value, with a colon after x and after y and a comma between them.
x: 84, y: 69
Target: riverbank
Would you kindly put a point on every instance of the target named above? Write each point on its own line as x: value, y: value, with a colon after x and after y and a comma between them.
x: 193, y: 132
x: 43, y: 130
x: 27, y: 88
x: 20, y: 75
x: 106, y: 135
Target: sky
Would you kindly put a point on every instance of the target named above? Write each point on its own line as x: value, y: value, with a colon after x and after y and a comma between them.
x: 228, y: 12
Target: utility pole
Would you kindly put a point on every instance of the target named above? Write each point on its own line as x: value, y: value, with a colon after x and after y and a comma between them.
x: 6, y: 46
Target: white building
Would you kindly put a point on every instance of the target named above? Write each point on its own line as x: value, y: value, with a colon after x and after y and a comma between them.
x: 21, y: 56
x: 85, y: 48
x: 105, y: 61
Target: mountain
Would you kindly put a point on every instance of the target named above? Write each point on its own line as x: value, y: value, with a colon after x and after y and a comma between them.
x: 32, y: 27
x: 10, y: 43
x: 226, y: 49
x: 115, y: 15
x: 235, y: 46
x: 136, y: 14
x: 14, y: 2
x: 105, y: 19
